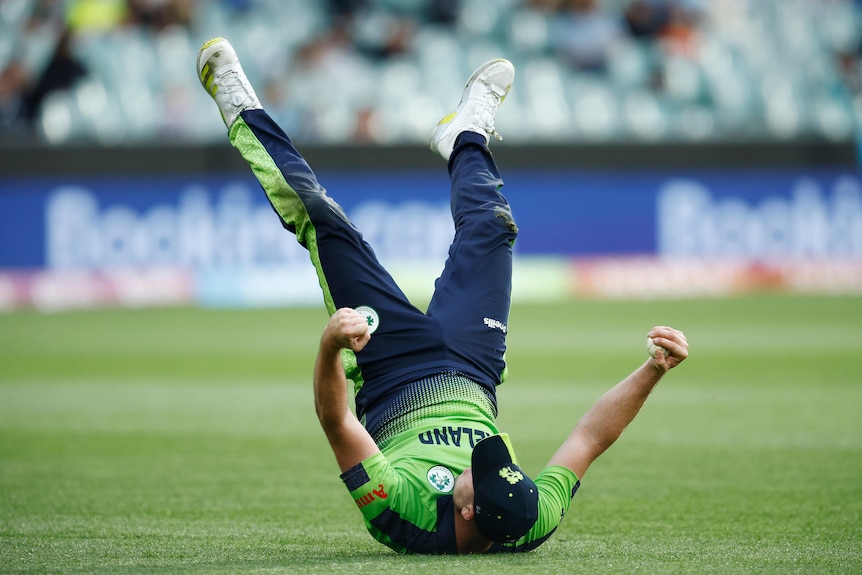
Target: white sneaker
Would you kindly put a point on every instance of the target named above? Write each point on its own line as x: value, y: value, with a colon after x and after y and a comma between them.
x: 485, y: 91
x: 222, y: 77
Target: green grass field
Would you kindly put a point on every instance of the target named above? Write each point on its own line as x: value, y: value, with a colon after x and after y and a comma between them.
x: 184, y: 441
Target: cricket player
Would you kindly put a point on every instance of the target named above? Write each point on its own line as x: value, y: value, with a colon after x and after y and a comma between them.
x: 422, y: 456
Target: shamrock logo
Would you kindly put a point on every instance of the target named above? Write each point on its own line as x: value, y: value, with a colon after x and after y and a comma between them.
x: 511, y: 475
x: 441, y: 478
x: 371, y: 317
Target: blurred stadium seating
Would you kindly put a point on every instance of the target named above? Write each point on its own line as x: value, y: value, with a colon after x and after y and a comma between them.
x: 382, y: 71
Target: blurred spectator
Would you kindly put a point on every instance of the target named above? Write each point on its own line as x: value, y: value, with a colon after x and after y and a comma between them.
x: 850, y: 67
x: 14, y: 82
x: 22, y: 82
x: 327, y: 60
x: 546, y: 6
x: 95, y: 15
x: 239, y: 6
x: 645, y: 19
x: 584, y: 34
x: 45, y: 12
x: 25, y: 81
x: 680, y: 34
x: 444, y: 12
x: 382, y: 29
x: 706, y: 55
x: 380, y: 34
x: 155, y: 15
x: 325, y: 50
x: 61, y: 73
x: 160, y: 14
x: 848, y: 56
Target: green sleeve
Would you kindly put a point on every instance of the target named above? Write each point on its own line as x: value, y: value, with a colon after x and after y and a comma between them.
x: 400, y: 505
x: 557, y: 486
x: 374, y: 485
x: 371, y: 484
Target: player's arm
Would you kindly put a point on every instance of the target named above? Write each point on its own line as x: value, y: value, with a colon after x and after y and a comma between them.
x: 350, y: 442
x: 605, y: 421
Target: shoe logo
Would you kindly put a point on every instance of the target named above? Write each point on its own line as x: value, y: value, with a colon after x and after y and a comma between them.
x: 441, y: 478
x: 370, y: 316
x: 207, y: 80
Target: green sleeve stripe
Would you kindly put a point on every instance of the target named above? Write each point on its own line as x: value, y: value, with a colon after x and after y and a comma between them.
x: 290, y: 208
x: 287, y: 203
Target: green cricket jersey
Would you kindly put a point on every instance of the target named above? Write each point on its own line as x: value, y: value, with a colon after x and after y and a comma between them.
x: 405, y: 491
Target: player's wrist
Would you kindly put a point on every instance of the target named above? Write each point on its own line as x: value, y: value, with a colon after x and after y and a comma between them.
x: 330, y: 344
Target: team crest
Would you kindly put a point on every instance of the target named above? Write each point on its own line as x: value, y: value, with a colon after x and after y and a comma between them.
x: 370, y: 316
x: 511, y: 475
x: 441, y: 479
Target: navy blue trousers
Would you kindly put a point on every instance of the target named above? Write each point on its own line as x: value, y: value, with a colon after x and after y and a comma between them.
x: 464, y: 328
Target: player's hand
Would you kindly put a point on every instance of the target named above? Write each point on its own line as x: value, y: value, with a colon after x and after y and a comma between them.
x: 671, y: 340
x: 346, y: 329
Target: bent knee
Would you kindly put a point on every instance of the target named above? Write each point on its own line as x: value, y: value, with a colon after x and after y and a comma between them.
x: 503, y: 215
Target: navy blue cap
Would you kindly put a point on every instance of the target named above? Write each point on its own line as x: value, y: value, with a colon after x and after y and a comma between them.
x: 506, y: 501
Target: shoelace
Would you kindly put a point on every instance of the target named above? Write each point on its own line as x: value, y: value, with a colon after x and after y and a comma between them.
x: 231, y: 82
x: 490, y: 101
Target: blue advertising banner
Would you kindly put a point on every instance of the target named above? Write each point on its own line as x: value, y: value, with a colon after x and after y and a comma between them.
x: 225, y: 220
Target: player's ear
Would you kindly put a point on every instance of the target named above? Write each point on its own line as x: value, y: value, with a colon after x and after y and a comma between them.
x: 468, y: 512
